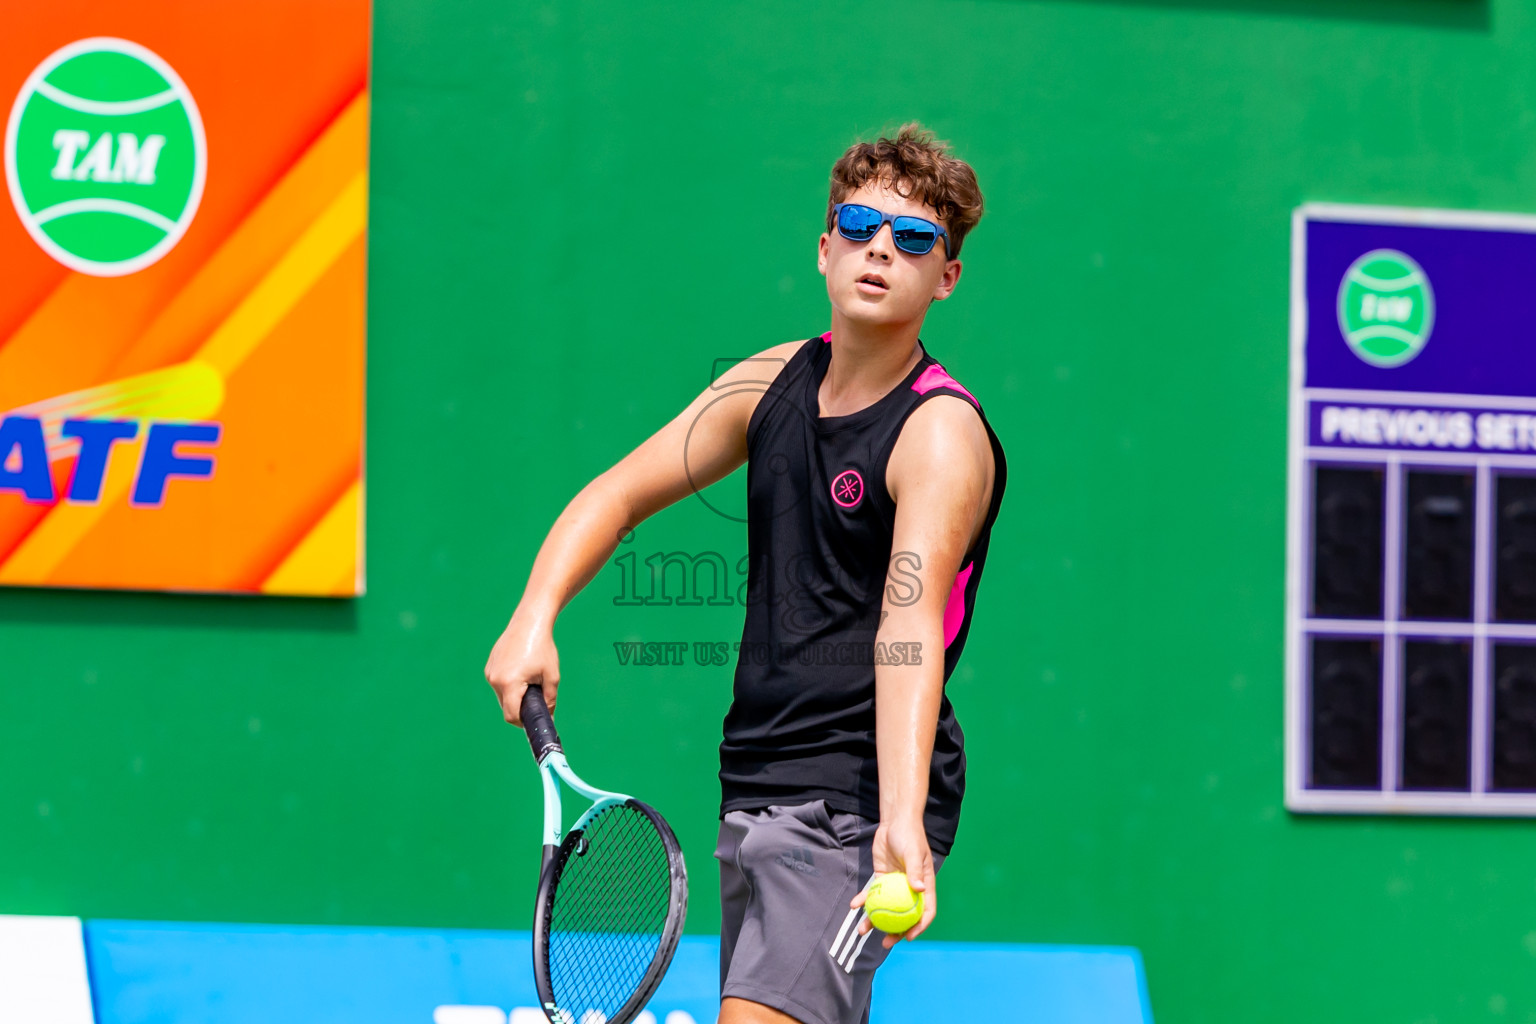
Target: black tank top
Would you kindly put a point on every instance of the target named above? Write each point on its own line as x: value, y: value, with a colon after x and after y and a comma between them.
x: 801, y: 726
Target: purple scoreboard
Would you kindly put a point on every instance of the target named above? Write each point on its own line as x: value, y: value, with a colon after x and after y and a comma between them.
x: 1411, y: 517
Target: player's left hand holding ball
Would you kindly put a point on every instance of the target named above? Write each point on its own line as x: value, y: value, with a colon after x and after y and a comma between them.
x: 903, y: 846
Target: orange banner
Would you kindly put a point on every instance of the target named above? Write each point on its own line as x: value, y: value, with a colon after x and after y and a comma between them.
x: 182, y: 325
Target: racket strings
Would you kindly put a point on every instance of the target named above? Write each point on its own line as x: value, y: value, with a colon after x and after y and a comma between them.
x: 605, y: 931
x: 627, y: 915
x: 591, y: 922
x: 608, y: 914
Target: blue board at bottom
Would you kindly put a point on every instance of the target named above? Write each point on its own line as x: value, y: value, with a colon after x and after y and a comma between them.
x: 153, y: 973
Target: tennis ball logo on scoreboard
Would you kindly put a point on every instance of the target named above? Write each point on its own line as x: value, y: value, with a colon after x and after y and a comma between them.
x: 1386, y: 307
x: 105, y: 156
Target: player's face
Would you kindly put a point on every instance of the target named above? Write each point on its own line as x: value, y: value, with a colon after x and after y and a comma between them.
x: 874, y: 282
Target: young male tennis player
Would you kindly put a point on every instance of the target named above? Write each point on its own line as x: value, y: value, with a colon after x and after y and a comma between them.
x: 873, y: 482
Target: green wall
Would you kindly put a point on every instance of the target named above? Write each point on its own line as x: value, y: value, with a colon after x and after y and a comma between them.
x: 549, y: 283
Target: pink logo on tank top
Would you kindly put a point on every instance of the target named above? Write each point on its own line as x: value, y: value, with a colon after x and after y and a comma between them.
x: 848, y: 488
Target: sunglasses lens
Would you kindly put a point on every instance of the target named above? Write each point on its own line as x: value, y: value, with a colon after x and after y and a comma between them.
x: 858, y: 223
x: 914, y: 235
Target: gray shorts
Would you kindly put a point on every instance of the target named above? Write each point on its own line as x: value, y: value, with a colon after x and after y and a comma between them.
x: 787, y: 937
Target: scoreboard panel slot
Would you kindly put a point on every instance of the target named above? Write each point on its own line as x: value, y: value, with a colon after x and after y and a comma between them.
x: 1437, y: 715
x: 1347, y: 531
x: 1346, y: 713
x: 1439, y: 516
x: 1514, y: 598
x: 1514, y: 718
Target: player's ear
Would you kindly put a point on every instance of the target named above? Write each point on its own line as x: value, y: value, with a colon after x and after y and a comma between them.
x: 821, y: 254
x: 947, y: 282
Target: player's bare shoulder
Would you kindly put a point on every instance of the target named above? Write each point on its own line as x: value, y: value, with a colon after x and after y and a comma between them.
x: 944, y: 445
x: 734, y: 393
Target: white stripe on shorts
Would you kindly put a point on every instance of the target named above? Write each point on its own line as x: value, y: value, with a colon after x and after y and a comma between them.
x: 848, y: 967
x: 851, y: 948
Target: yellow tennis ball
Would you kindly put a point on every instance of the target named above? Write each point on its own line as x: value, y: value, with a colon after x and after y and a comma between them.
x: 892, y: 905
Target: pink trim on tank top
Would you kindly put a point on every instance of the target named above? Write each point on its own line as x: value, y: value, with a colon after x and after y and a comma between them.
x: 954, y: 608
x: 938, y: 377
x: 827, y: 337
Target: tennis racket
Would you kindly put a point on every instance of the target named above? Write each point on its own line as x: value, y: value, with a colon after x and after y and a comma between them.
x: 612, y: 893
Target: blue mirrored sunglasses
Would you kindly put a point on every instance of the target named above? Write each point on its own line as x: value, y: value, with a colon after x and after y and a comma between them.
x: 911, y: 234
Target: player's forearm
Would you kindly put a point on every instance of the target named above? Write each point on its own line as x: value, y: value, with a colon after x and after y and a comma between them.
x: 906, y: 721
x: 577, y: 546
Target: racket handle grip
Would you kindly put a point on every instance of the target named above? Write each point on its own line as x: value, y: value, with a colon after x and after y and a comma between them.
x: 539, y: 724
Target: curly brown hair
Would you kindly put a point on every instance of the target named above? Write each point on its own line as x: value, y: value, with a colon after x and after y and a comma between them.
x: 916, y: 166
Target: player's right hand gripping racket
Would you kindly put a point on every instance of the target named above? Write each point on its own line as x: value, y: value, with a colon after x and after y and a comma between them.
x: 612, y: 894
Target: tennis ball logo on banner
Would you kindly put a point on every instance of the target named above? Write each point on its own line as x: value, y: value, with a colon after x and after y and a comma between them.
x: 1386, y: 308
x: 105, y: 156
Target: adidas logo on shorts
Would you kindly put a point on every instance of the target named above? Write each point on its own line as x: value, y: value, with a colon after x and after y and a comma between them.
x: 799, y: 859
